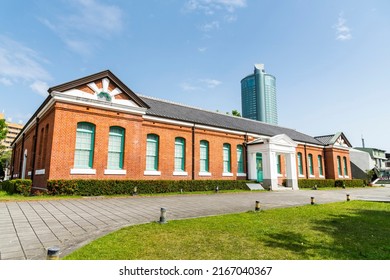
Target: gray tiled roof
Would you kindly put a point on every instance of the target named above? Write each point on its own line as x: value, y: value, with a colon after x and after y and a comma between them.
x: 326, y: 140
x: 166, y: 109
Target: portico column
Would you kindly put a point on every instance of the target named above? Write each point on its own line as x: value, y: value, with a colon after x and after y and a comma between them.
x: 270, y: 170
x: 252, y: 171
x: 292, y: 180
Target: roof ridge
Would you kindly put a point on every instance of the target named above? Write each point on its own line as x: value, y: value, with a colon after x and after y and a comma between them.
x: 330, y: 135
x: 209, y: 111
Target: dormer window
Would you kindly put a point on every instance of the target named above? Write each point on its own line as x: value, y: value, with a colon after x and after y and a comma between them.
x: 104, y: 96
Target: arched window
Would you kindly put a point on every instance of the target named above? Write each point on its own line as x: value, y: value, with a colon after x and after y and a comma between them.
x: 152, y: 147
x: 204, y: 156
x: 300, y: 165
x: 345, y: 166
x: 85, y: 137
x: 320, y: 168
x: 116, y: 147
x: 339, y: 165
x: 180, y: 147
x: 240, y: 159
x: 310, y: 162
x: 226, y: 158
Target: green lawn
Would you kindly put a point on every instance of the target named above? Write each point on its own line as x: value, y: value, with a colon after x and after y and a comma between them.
x: 336, y: 231
x: 18, y: 197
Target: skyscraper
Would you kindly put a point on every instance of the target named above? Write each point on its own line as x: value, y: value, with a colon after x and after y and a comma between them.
x: 258, y: 96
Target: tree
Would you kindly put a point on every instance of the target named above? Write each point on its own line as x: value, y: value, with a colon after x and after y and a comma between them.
x: 3, y: 134
x: 236, y: 113
x: 3, y: 129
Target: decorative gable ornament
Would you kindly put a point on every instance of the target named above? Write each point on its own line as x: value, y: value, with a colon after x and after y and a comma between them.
x: 104, y: 96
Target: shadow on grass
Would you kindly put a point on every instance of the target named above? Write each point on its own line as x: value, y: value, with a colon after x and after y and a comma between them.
x: 358, y: 235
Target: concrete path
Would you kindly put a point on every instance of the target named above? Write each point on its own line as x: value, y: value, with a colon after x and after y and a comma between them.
x: 27, y: 229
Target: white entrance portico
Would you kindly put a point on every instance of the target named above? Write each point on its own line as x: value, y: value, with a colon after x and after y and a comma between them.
x: 263, y: 157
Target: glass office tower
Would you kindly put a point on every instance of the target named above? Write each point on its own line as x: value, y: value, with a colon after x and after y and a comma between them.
x: 258, y: 96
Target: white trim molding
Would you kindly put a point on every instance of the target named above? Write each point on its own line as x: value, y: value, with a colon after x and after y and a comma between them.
x: 115, y: 172
x: 82, y: 171
x: 241, y: 174
x: 152, y: 173
x: 227, y: 174
x: 180, y: 173
x: 203, y: 173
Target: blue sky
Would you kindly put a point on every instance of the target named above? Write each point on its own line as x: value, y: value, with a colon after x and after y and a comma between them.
x: 331, y: 58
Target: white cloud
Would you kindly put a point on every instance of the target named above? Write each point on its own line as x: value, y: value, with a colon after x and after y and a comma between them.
x: 211, y: 83
x: 5, y: 81
x: 207, y: 27
x: 209, y: 7
x: 91, y: 21
x: 188, y: 87
x: 200, y: 84
x: 202, y: 49
x: 19, y: 63
x: 343, y: 32
x: 40, y: 87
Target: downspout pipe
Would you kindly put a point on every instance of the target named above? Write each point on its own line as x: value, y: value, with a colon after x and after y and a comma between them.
x: 21, y: 157
x: 246, y: 155
x: 306, y: 167
x: 193, y: 153
x: 34, y: 151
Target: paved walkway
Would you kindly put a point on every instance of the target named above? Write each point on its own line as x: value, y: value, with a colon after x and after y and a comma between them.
x: 27, y: 229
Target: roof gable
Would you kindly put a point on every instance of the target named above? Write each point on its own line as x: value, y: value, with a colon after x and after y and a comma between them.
x: 102, y: 86
x: 338, y: 139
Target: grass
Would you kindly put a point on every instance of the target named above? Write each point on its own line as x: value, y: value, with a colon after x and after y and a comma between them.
x: 18, y: 197
x: 335, y: 231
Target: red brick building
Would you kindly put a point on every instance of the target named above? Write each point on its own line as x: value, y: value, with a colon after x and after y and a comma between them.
x: 97, y: 128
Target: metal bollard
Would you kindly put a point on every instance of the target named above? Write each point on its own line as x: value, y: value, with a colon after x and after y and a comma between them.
x: 312, y: 200
x: 257, y: 207
x: 163, y: 216
x: 53, y: 253
x: 348, y: 199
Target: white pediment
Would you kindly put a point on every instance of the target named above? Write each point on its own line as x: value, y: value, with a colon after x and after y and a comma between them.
x: 340, y: 142
x: 282, y: 140
x: 102, y: 93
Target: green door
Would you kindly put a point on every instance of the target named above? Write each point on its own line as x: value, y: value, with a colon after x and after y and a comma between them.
x: 259, y: 167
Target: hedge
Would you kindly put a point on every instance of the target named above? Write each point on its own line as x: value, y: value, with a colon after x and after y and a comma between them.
x: 19, y: 186
x: 110, y: 187
x: 330, y: 183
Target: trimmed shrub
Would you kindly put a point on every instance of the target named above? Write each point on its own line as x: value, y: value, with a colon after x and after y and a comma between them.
x: 354, y: 183
x: 19, y: 186
x: 311, y: 183
x: 330, y: 183
x: 110, y: 187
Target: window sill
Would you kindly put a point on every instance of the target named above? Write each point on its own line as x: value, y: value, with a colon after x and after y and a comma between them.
x: 180, y: 173
x: 81, y: 171
x: 241, y: 174
x: 301, y: 176
x: 227, y: 174
x: 322, y: 176
x: 40, y: 172
x: 152, y: 173
x: 204, y: 173
x: 280, y: 175
x: 115, y: 172
x: 312, y: 176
